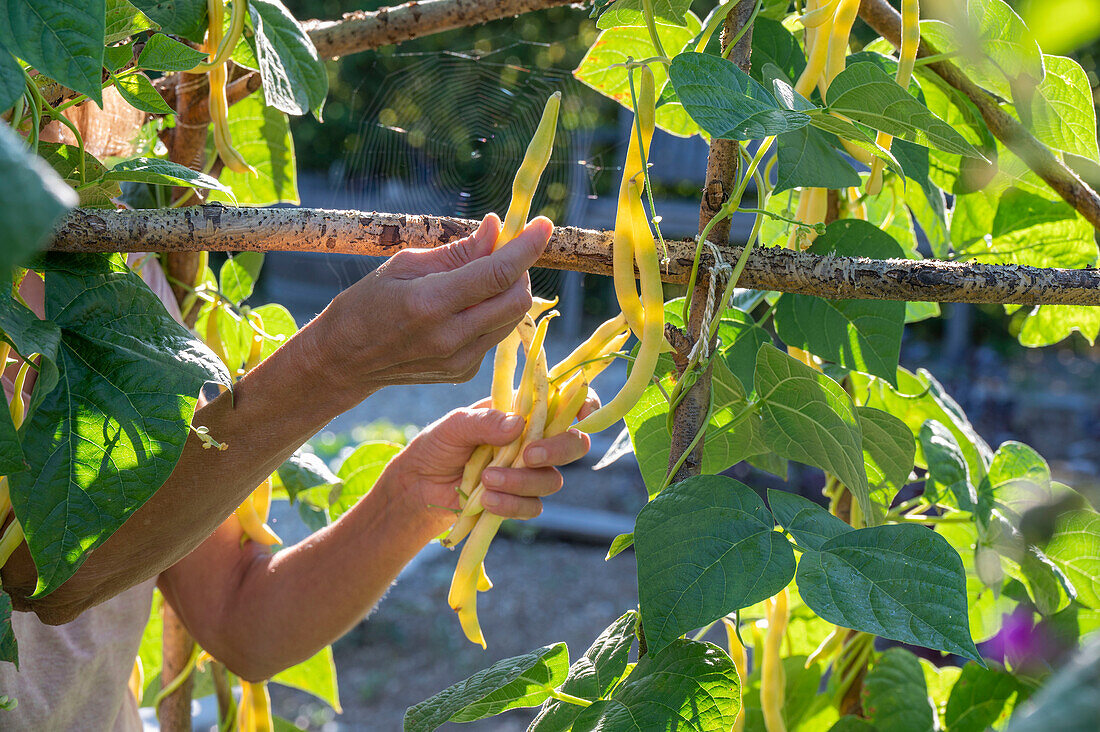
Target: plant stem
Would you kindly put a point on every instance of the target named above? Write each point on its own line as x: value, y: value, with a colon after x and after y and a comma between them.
x: 569, y: 698
x: 744, y: 28
x: 651, y: 26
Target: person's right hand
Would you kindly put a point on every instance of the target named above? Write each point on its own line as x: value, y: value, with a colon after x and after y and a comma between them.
x: 430, y: 315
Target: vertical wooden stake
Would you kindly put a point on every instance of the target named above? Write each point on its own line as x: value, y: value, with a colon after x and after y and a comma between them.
x: 722, y: 165
x: 174, y: 711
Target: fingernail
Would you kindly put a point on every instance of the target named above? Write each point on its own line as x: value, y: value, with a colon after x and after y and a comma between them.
x: 513, y: 421
x: 490, y: 500
x: 536, y: 455
x: 492, y: 477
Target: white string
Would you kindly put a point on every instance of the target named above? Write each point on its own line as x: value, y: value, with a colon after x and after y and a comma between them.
x: 721, y: 270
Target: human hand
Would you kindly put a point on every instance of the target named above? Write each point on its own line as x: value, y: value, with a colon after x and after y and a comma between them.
x: 425, y: 474
x: 429, y: 315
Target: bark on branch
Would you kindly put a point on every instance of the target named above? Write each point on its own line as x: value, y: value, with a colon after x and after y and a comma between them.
x: 886, y: 21
x: 218, y: 228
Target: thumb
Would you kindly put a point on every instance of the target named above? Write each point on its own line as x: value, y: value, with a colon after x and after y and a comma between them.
x: 475, y: 246
x: 465, y: 429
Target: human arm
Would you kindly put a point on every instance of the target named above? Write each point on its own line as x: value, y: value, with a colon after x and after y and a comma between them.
x: 425, y: 315
x: 259, y: 612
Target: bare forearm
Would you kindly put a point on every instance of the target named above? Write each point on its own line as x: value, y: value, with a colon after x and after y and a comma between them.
x: 262, y: 422
x: 289, y: 605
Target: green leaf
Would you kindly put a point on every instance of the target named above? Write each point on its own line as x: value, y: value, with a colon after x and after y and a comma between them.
x: 727, y: 102
x: 261, y: 135
x: 1063, y: 115
x: 185, y: 18
x: 902, y: 582
x: 9, y: 647
x: 895, y: 696
x: 865, y: 93
x: 599, y: 70
x: 316, y: 675
x: 987, y: 605
x: 110, y: 434
x: 139, y: 92
x: 592, y: 676
x: 1046, y: 325
x: 979, y: 698
x: 629, y: 13
x: 804, y: 706
x: 851, y: 723
x: 808, y: 158
x: 124, y: 20
x: 808, y: 417
x: 919, y: 397
x: 1028, y: 229
x: 238, y: 275
x: 864, y: 335
x: 947, y: 468
x: 12, y: 82
x: 303, y: 471
x: 94, y: 190
x: 294, y: 77
x: 687, y: 687
x: 35, y: 197
x: 62, y: 39
x: 809, y: 524
x: 1007, y: 44
x: 162, y: 53
x: 360, y: 471
x: 520, y: 681
x: 773, y: 44
x: 115, y: 57
x: 163, y: 172
x: 279, y: 324
x: 888, y: 454
x: 29, y: 335
x: 704, y: 548
x: 1075, y: 548
x: 619, y: 544
x: 1068, y: 702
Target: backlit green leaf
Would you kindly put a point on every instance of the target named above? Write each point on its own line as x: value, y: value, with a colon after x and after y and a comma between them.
x: 629, y: 13
x: 979, y: 698
x: 261, y: 135
x: 316, y: 675
x: 888, y: 454
x: 1075, y: 548
x: 809, y: 524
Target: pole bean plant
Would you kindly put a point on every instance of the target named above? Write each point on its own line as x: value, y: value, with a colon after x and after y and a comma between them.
x: 858, y: 136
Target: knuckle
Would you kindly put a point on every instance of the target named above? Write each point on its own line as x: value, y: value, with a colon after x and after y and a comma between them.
x: 501, y: 274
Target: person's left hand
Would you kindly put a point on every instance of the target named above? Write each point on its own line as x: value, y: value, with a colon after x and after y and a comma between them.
x: 429, y: 469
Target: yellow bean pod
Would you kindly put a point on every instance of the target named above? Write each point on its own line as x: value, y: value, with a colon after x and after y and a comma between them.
x: 845, y: 17
x: 772, y: 682
x: 219, y: 105
x: 530, y: 171
x: 227, y: 43
x: 653, y: 333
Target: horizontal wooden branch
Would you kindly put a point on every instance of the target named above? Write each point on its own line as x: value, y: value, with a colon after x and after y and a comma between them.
x: 886, y: 21
x: 218, y: 228
x: 363, y: 30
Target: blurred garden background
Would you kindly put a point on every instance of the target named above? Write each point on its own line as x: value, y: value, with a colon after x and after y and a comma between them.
x: 438, y: 126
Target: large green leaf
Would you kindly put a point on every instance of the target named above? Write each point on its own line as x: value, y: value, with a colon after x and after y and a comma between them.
x: 947, y: 469
x: 62, y: 39
x: 888, y: 454
x: 808, y: 417
x: 809, y: 158
x: 163, y: 172
x: 106, y: 438
x: 316, y: 675
x: 35, y: 197
x: 1049, y: 324
x: 9, y: 646
x: 705, y: 547
x: 895, y: 696
x: 238, y: 275
x: 592, y: 676
x: 629, y: 13
x: 864, y: 335
x: 294, y: 78
x: 124, y: 20
x: 809, y: 524
x: 12, y: 82
x: 601, y: 68
x: 95, y: 190
x: 979, y: 699
x: 261, y: 135
x: 520, y: 681
x: 865, y: 93
x: 687, y: 687
x: 773, y: 44
x: 727, y: 102
x: 162, y: 53
x: 1075, y: 548
x: 185, y: 18
x: 902, y: 582
x: 1063, y: 114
